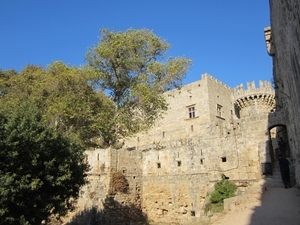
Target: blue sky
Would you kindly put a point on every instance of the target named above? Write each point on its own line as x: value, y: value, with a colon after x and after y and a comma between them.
x: 224, y: 38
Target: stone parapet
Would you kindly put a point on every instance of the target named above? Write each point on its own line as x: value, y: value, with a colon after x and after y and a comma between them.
x: 254, y: 100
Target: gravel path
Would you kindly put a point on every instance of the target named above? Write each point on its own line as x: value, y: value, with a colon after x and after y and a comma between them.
x: 278, y: 206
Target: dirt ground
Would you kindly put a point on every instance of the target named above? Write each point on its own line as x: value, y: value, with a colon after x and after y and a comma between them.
x: 278, y: 206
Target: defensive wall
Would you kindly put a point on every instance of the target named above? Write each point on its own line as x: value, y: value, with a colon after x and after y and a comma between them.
x: 209, y: 129
x: 283, y: 45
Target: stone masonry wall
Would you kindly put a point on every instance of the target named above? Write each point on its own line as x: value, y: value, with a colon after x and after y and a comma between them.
x: 285, y: 50
x: 170, y: 170
x: 182, y: 157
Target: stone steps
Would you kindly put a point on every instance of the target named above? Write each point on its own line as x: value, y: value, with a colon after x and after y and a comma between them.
x: 274, y: 180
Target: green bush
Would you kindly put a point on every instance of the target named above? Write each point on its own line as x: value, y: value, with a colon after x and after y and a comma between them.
x: 223, y: 189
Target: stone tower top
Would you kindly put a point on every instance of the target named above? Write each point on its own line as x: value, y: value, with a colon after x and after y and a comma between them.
x: 254, y: 100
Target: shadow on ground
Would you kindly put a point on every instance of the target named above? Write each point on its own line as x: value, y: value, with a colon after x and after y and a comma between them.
x: 278, y: 206
x: 113, y: 213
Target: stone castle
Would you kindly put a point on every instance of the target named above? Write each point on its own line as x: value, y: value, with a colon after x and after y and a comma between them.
x: 210, y: 129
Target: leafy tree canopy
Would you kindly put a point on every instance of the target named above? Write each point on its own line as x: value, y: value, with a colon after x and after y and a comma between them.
x: 131, y: 67
x: 41, y: 169
x: 119, y: 92
x: 69, y: 102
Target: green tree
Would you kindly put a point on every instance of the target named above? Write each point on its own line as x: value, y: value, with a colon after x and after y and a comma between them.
x: 132, y: 68
x: 41, y: 170
x: 118, y: 94
x: 69, y: 102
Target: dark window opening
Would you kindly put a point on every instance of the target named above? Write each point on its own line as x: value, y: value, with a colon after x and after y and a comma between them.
x: 178, y: 163
x: 219, y: 110
x: 193, y: 213
x: 224, y: 159
x: 158, y: 165
x: 201, y: 161
x: 192, y: 112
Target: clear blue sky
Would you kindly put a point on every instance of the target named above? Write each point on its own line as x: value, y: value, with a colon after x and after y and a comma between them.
x: 224, y: 38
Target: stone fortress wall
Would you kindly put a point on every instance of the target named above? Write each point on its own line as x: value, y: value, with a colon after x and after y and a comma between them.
x: 209, y: 129
x: 283, y: 44
x: 171, y: 168
x: 183, y: 157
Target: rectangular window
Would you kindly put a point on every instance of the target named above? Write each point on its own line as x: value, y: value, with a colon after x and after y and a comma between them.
x: 219, y: 110
x: 191, y: 112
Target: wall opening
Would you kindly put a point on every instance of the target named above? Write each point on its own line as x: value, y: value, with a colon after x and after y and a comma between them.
x: 191, y: 112
x: 201, y: 161
x: 223, y: 159
x: 178, y: 163
x: 158, y: 165
x: 278, y: 142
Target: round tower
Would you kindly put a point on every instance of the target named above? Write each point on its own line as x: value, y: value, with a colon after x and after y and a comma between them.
x: 254, y: 101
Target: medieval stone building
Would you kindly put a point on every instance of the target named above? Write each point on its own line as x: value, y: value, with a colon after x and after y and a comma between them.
x: 210, y: 129
x: 284, y: 46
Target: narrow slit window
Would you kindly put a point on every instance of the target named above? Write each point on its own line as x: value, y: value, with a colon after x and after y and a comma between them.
x: 158, y: 165
x: 201, y: 161
x: 178, y: 163
x: 219, y: 110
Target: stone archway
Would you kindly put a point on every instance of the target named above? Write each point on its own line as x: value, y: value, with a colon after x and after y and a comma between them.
x: 278, y: 141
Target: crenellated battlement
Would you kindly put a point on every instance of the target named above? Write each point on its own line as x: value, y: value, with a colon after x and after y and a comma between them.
x: 265, y: 87
x: 208, y: 76
x: 263, y: 95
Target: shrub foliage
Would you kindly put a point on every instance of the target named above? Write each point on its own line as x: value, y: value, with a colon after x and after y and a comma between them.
x: 223, y: 189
